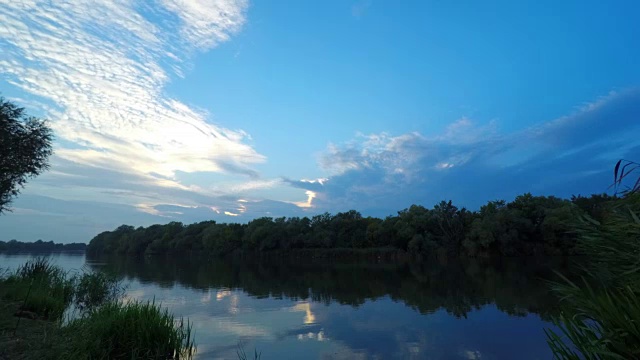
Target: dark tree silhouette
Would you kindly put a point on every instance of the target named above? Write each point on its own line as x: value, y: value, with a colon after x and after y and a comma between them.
x: 25, y: 146
x: 529, y: 225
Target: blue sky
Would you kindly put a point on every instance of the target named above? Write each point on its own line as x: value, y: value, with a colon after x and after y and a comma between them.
x: 187, y: 110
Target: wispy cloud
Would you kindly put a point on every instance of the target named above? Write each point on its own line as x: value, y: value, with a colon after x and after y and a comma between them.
x: 101, y: 66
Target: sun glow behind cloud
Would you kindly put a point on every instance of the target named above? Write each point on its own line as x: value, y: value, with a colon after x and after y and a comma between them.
x: 307, y: 204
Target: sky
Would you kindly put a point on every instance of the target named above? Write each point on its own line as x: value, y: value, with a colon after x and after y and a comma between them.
x: 192, y: 110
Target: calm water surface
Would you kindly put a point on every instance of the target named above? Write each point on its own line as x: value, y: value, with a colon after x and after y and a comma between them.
x: 450, y: 310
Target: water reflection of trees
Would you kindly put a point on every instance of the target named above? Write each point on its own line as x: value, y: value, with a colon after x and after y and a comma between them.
x: 516, y: 287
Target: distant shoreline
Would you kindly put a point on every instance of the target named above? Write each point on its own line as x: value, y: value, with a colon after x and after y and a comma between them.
x: 40, y: 247
x: 31, y: 252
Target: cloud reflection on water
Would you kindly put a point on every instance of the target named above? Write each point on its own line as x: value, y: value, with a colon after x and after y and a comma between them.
x: 377, y: 329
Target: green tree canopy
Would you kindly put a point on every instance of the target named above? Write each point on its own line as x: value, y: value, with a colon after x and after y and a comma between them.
x: 25, y: 147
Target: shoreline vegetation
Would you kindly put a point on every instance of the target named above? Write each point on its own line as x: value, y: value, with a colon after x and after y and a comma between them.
x: 46, y: 313
x: 528, y: 225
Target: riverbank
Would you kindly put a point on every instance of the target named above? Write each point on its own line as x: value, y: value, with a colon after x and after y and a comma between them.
x: 47, y: 313
x: 24, y: 338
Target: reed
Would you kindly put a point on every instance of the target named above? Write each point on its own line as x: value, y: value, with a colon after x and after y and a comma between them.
x: 93, y: 289
x: 42, y: 288
x: 103, y: 327
x: 601, y: 316
x: 138, y: 330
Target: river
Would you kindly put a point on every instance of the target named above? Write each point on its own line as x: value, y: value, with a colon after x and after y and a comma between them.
x: 311, y: 310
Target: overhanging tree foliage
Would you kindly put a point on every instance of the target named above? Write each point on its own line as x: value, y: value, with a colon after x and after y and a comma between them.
x: 25, y: 147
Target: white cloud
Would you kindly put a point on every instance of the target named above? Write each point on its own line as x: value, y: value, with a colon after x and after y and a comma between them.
x: 101, y: 67
x: 254, y: 185
x: 472, y: 354
x: 206, y: 22
x: 407, y: 154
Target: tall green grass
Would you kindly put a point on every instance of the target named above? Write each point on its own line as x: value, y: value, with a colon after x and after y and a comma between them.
x: 40, y: 287
x: 134, y: 330
x: 103, y: 328
x: 47, y: 290
x: 601, y: 319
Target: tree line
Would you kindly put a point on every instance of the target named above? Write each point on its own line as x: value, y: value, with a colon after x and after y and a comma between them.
x: 40, y: 246
x: 528, y: 225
